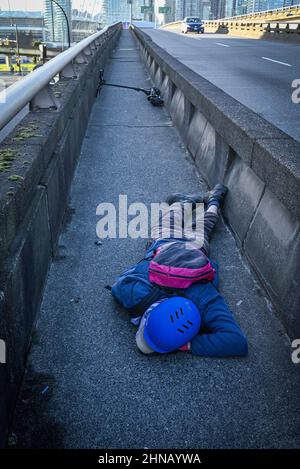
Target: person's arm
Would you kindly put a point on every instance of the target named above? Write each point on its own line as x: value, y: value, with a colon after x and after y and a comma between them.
x: 132, y: 286
x: 224, y: 337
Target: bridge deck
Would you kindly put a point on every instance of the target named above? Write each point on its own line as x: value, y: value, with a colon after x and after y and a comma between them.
x: 86, y: 384
x: 257, y: 73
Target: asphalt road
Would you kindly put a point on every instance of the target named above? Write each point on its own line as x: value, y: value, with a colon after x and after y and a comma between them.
x: 258, y: 73
x: 86, y: 383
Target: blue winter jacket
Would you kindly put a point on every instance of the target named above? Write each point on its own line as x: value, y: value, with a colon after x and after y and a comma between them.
x: 219, y: 336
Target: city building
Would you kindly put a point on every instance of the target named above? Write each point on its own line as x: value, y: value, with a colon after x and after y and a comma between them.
x: 32, y: 28
x: 230, y: 7
x: 187, y: 8
x: 240, y: 7
x: 30, y: 25
x: 217, y: 9
x: 56, y: 29
x: 164, y: 11
x: 119, y: 10
x: 115, y: 10
x: 83, y: 26
x: 200, y: 8
x: 137, y: 13
x: 205, y: 9
x: 264, y: 5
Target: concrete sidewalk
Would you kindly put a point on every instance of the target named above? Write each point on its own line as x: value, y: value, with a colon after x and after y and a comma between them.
x: 86, y: 385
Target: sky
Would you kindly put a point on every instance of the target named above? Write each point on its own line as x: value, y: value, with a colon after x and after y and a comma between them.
x: 38, y: 4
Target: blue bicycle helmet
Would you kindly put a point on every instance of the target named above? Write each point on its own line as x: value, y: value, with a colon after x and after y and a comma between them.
x: 171, y: 324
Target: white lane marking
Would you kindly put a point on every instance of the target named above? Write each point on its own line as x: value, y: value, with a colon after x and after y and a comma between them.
x: 277, y: 61
x: 221, y: 44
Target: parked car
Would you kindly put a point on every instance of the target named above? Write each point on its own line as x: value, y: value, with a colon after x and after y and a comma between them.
x: 192, y: 24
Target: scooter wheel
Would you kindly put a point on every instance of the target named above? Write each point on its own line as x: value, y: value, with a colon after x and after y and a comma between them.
x: 156, y: 101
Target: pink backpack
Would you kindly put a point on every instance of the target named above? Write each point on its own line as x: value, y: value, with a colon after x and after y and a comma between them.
x: 178, y: 264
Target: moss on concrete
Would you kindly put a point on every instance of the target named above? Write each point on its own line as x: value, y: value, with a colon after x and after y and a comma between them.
x: 7, y: 156
x: 26, y: 132
x: 16, y: 178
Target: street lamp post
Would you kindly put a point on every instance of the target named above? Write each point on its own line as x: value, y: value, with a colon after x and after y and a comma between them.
x: 52, y: 20
x: 130, y: 6
x: 67, y: 21
x: 18, y: 59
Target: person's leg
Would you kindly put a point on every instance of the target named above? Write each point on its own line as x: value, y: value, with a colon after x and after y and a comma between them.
x: 211, y: 217
x: 214, y: 199
x: 169, y: 223
x: 182, y: 197
x: 186, y: 218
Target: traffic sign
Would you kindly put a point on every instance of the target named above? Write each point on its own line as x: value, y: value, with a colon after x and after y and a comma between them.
x: 164, y: 9
x: 147, y: 9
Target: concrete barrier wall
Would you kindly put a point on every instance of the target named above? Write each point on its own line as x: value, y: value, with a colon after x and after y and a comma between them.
x: 259, y: 163
x: 43, y: 151
x: 286, y: 32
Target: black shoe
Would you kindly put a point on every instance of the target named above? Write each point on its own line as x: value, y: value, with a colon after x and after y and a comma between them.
x: 184, y: 198
x: 216, y: 195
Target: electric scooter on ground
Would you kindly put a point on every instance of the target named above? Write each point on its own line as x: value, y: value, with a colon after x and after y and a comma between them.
x: 153, y: 94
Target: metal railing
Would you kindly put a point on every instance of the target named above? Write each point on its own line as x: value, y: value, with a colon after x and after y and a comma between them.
x: 34, y: 89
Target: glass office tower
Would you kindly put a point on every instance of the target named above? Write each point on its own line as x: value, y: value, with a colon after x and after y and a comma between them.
x: 55, y: 22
